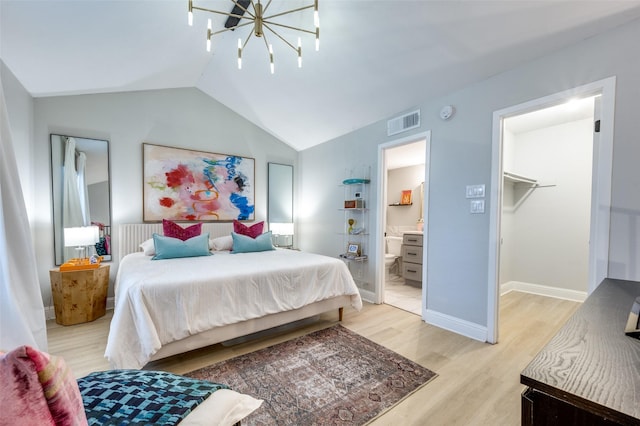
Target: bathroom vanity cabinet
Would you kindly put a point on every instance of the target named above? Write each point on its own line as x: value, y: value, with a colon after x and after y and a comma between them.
x: 355, y: 232
x: 412, y: 258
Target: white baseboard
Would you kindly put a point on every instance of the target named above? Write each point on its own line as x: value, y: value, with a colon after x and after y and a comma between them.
x: 543, y: 290
x: 50, y: 313
x: 456, y: 325
x: 367, y: 296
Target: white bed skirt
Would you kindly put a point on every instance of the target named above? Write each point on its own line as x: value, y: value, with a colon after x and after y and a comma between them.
x: 232, y: 331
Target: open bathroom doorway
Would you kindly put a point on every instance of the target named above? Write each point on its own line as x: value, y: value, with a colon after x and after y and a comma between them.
x: 403, y: 218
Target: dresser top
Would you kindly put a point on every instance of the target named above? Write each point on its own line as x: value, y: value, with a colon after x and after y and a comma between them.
x: 591, y: 362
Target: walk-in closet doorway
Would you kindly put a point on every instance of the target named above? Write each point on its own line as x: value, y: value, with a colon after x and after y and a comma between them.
x: 551, y: 196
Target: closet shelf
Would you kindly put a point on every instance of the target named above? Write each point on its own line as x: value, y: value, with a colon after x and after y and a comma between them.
x: 516, y: 179
x: 512, y: 177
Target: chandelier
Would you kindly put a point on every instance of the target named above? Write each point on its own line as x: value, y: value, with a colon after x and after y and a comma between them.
x: 253, y: 13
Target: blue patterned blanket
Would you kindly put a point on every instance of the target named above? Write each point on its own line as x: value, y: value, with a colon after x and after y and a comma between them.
x: 122, y: 397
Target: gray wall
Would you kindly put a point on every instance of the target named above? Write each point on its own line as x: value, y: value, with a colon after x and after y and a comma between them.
x: 461, y: 154
x: 399, y: 180
x: 174, y: 117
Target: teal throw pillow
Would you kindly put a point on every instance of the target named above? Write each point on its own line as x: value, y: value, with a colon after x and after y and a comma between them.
x: 170, y: 248
x: 244, y: 244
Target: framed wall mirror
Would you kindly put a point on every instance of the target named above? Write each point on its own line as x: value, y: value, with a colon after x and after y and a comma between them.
x: 81, y: 193
x: 280, y: 203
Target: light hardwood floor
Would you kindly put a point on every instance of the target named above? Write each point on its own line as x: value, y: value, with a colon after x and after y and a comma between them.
x: 477, y: 383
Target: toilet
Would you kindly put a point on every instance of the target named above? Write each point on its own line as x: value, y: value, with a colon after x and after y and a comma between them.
x: 392, y: 254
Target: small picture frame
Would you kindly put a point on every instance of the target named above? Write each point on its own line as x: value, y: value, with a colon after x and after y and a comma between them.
x: 353, y: 249
x: 405, y: 197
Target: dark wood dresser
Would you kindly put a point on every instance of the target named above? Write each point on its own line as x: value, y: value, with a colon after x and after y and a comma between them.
x: 589, y: 373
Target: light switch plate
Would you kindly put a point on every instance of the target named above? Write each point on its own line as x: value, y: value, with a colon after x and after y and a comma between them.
x: 476, y: 206
x: 475, y: 191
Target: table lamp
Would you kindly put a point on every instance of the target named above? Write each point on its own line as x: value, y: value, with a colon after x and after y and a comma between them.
x: 282, y: 230
x: 80, y: 237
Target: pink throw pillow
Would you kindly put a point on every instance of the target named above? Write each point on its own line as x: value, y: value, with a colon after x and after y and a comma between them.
x: 252, y: 231
x: 40, y: 389
x: 173, y: 230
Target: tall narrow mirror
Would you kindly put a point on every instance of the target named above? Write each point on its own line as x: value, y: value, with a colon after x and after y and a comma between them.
x: 81, y: 192
x: 280, y: 203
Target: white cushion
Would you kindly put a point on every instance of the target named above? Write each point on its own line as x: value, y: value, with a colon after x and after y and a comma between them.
x: 222, y: 408
x: 148, y: 247
x: 221, y: 243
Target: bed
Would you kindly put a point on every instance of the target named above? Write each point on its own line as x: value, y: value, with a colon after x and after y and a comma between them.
x: 171, y: 306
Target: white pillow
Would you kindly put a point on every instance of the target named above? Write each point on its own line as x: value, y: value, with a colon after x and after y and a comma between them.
x: 223, y: 407
x: 221, y: 243
x: 148, y: 247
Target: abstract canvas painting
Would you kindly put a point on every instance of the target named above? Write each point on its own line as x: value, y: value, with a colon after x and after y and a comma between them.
x: 187, y: 185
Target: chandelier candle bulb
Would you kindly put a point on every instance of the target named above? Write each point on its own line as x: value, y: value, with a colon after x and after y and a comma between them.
x: 190, y: 17
x: 239, y: 54
x: 299, y: 52
x: 317, y: 39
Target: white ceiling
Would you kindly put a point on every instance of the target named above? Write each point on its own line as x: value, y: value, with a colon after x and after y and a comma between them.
x: 410, y: 154
x: 377, y: 58
x: 577, y: 109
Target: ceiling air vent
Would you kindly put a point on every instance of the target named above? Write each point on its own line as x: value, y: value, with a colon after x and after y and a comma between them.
x: 403, y: 123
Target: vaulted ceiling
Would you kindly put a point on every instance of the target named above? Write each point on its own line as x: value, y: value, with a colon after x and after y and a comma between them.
x: 376, y: 58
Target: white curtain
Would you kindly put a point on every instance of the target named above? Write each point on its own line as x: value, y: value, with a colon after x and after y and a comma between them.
x: 71, y: 203
x: 83, y: 191
x: 22, y: 319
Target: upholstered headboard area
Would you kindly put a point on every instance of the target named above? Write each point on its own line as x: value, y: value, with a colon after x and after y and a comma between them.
x: 130, y: 235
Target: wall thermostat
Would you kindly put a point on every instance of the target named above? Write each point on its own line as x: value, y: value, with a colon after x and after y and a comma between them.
x: 446, y: 112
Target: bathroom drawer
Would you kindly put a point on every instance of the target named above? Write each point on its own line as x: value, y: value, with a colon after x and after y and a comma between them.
x: 412, y: 271
x: 412, y: 239
x: 412, y: 254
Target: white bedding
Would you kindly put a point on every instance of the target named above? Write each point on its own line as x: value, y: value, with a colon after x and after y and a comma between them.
x: 161, y: 301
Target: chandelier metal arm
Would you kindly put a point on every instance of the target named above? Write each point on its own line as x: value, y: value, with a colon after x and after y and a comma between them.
x: 280, y: 37
x: 232, y: 28
x: 288, y: 26
x: 289, y: 11
x: 233, y: 15
x: 247, y: 39
x: 264, y: 9
x: 246, y: 10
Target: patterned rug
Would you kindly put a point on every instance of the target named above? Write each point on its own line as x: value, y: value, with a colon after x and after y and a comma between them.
x: 331, y: 376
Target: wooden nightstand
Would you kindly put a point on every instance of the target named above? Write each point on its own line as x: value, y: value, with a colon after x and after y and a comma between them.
x: 79, y: 296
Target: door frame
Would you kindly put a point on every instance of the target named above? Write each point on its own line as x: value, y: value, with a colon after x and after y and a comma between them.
x: 600, y: 189
x: 381, y: 215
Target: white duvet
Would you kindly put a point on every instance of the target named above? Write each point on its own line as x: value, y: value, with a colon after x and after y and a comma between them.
x: 161, y: 301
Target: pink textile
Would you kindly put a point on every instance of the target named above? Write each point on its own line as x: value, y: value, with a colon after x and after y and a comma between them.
x: 38, y: 389
x: 250, y: 231
x: 173, y: 230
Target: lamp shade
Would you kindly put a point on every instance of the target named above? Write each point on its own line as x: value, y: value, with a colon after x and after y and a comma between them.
x: 281, y: 228
x: 81, y: 236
